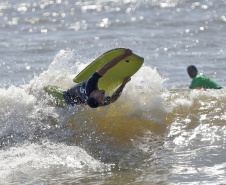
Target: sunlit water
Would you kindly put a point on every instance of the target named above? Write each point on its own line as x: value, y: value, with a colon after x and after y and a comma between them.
x: 158, y: 132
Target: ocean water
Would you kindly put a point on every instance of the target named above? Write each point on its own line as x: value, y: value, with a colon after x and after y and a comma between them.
x: 158, y: 132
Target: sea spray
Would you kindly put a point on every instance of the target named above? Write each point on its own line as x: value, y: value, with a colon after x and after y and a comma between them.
x: 144, y: 94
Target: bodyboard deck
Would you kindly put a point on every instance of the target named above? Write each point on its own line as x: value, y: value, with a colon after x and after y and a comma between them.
x: 115, y: 76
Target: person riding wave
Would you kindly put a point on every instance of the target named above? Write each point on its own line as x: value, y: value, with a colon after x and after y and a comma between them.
x: 87, y: 92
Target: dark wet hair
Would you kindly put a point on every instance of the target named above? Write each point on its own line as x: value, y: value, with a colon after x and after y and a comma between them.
x: 192, y: 71
x: 92, y: 102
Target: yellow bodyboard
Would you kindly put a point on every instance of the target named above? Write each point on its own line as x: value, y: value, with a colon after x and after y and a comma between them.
x: 115, y: 76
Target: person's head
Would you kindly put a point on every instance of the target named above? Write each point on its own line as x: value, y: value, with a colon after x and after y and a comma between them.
x: 95, y: 98
x: 192, y: 71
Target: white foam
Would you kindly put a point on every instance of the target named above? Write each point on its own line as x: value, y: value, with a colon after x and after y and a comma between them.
x: 16, y: 106
x: 143, y: 94
x: 35, y: 158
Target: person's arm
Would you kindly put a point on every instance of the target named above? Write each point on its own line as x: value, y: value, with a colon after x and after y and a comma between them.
x: 118, y: 92
x: 113, y: 62
x: 197, y: 83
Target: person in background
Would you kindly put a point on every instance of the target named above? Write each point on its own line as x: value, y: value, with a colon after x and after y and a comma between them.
x: 200, y: 81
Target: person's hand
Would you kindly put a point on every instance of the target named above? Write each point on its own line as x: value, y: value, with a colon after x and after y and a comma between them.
x: 126, y: 80
x: 127, y: 52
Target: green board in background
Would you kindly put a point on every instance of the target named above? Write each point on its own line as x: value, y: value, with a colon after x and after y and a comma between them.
x: 114, y: 77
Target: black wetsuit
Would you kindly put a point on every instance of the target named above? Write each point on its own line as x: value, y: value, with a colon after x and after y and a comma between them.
x: 80, y: 93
